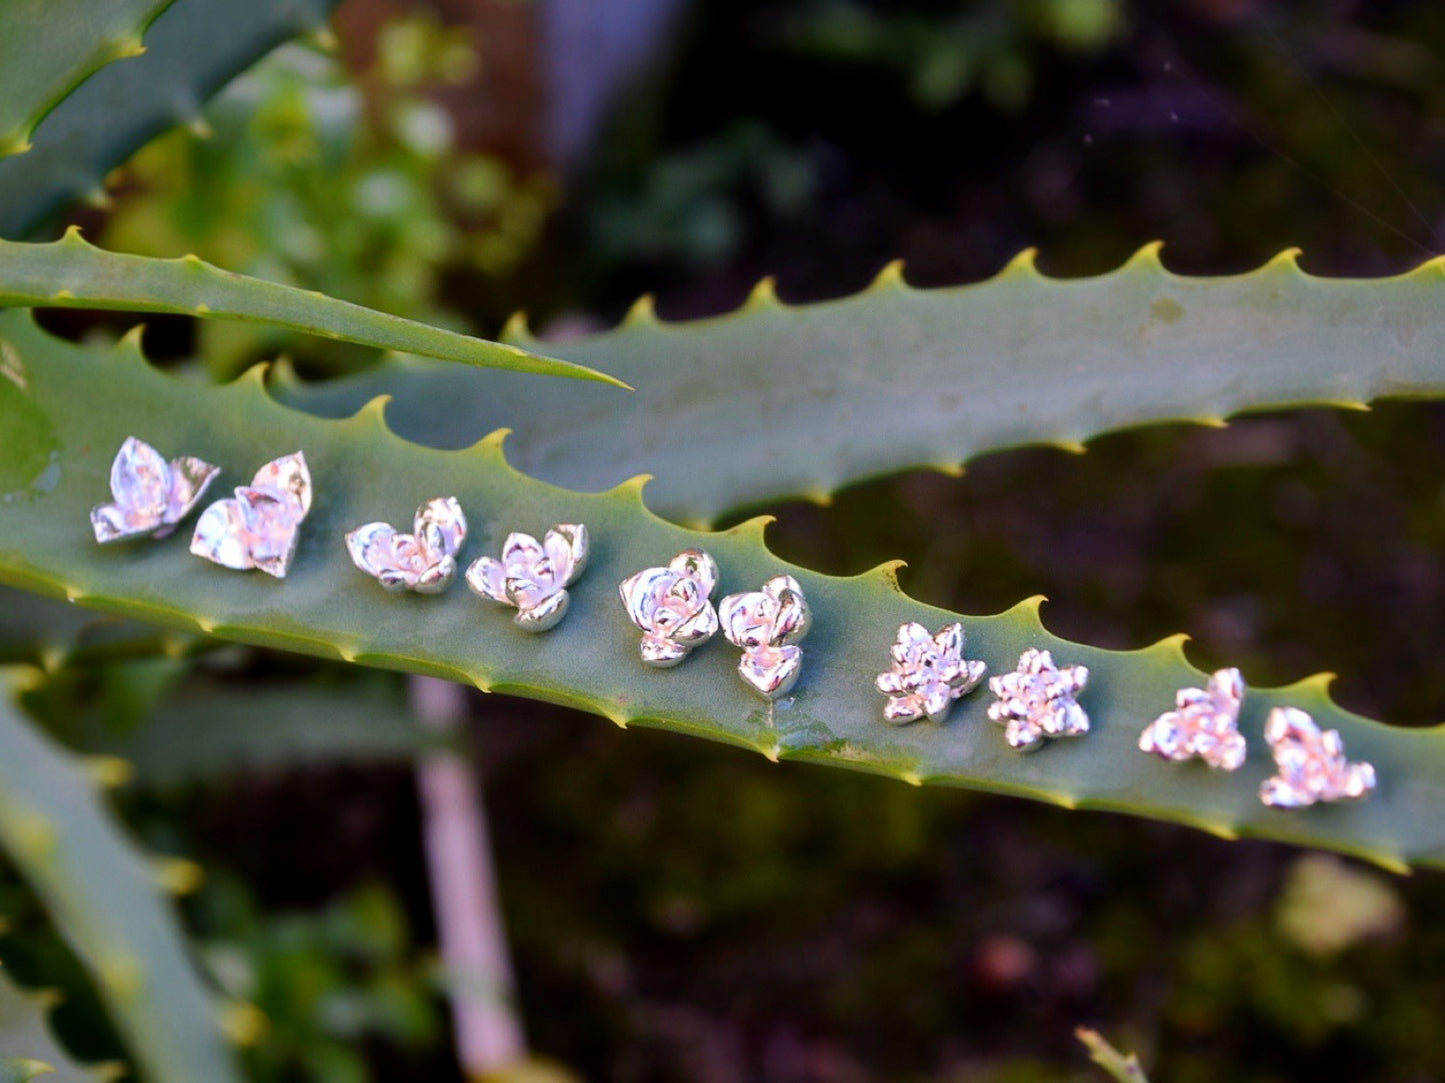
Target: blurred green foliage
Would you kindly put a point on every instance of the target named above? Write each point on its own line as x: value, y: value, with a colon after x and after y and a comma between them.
x: 300, y: 177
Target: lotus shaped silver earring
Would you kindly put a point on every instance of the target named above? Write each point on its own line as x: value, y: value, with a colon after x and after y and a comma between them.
x: 150, y: 495
x: 532, y: 575
x: 1205, y: 723
x: 1037, y: 701
x: 1310, y: 766
x: 929, y: 672
x: 425, y: 560
x: 259, y: 527
x: 672, y: 606
x: 767, y: 625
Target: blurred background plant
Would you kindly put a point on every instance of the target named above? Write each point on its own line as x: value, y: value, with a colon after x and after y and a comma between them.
x: 699, y: 914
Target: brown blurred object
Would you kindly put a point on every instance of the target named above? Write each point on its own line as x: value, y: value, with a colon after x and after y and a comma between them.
x: 501, y: 108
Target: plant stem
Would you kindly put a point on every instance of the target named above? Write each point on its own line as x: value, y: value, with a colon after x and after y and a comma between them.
x: 489, y: 1034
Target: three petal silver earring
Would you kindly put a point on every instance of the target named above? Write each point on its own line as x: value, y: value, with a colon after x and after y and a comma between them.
x: 673, y: 606
x: 1310, y: 765
x: 929, y: 672
x: 767, y: 624
x: 532, y: 576
x: 425, y: 560
x: 150, y: 495
x: 1037, y: 701
x: 1204, y: 723
x: 259, y: 527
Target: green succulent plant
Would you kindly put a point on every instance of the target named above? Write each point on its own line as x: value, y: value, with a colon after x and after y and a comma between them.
x: 723, y: 414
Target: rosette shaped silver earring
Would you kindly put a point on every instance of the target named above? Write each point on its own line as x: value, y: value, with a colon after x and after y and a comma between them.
x: 533, y: 576
x: 673, y: 606
x: 767, y: 624
x: 1204, y: 723
x: 929, y: 672
x: 1036, y: 701
x: 424, y: 560
x: 149, y: 495
x: 259, y: 527
x: 1310, y: 766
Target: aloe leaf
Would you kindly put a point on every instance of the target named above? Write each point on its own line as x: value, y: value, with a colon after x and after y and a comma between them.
x: 776, y: 401
x: 25, y: 1028
x: 78, y: 405
x: 193, y: 49
x: 202, y: 734
x: 1121, y: 1067
x: 105, y: 899
x: 16, y: 1070
x: 49, y: 47
x: 72, y: 273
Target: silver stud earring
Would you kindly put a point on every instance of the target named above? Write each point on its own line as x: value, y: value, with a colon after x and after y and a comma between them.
x: 425, y: 560
x: 1037, y: 701
x: 673, y: 606
x: 150, y: 495
x: 1205, y: 723
x: 532, y: 576
x: 1310, y: 766
x: 259, y: 527
x: 929, y: 672
x: 767, y: 625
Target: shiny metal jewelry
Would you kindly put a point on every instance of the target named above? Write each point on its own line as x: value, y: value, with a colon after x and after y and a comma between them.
x: 1205, y: 723
x: 929, y: 672
x: 425, y: 560
x: 1037, y: 701
x: 532, y: 575
x: 1310, y: 766
x: 151, y: 495
x: 767, y: 624
x: 259, y: 527
x: 672, y: 606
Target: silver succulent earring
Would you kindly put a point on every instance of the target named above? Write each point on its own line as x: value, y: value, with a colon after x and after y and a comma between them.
x: 1310, y: 766
x: 929, y: 672
x: 150, y: 494
x: 1205, y: 723
x: 532, y: 576
x: 767, y: 625
x: 425, y: 560
x: 259, y: 527
x: 673, y: 606
x: 1037, y: 701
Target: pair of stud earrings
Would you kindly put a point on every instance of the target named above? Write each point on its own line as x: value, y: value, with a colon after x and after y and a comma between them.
x: 258, y: 527
x: 1034, y: 702
x: 1311, y: 766
x: 531, y: 577
x: 673, y: 607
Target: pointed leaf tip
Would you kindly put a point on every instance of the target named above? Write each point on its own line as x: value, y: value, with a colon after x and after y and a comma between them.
x: 1023, y: 264
x: 1147, y: 258
x: 1286, y: 260
x: 634, y: 487
x: 764, y: 295
x: 890, y: 277
x: 516, y: 330
x: 643, y: 311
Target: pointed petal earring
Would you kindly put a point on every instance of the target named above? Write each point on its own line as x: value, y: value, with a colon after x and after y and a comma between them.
x: 150, y: 495
x: 259, y: 528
